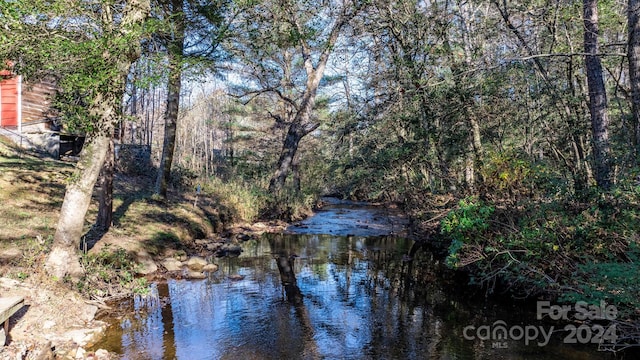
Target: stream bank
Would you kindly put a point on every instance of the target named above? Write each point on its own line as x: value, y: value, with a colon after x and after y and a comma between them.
x: 296, y: 294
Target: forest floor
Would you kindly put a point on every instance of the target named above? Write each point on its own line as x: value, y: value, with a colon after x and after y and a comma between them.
x: 160, y: 239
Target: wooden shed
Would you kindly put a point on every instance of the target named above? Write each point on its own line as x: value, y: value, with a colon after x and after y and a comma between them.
x: 26, y: 107
x: 28, y: 118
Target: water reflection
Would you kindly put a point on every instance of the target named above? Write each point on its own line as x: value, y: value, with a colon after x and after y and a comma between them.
x: 316, y: 297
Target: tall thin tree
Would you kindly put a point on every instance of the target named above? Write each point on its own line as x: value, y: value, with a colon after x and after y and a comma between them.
x: 597, y: 97
x: 197, y: 27
x: 633, y: 56
x: 175, y: 52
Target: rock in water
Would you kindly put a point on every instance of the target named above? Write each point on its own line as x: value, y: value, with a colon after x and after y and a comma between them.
x: 196, y: 263
x: 196, y: 275
x: 210, y: 268
x: 172, y: 264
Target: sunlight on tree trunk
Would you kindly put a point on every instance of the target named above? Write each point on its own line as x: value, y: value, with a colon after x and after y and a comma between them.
x: 63, y: 260
x: 597, y: 97
x: 105, y: 206
x: 295, y: 133
x: 175, y: 52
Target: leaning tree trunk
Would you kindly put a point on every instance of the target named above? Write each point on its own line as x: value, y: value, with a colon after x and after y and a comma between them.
x: 300, y: 126
x: 597, y: 97
x: 176, y: 49
x: 633, y: 13
x: 63, y: 259
x: 302, y: 123
x: 289, y: 148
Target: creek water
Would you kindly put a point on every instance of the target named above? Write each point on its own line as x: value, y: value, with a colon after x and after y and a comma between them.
x: 354, y: 292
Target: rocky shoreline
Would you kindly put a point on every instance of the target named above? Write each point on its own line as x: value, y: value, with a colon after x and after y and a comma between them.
x: 54, y: 323
x: 58, y: 323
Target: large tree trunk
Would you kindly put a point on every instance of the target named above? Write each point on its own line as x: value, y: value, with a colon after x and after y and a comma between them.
x: 302, y: 123
x: 633, y: 13
x: 299, y: 128
x: 597, y: 97
x: 63, y: 260
x: 175, y: 52
x: 289, y: 148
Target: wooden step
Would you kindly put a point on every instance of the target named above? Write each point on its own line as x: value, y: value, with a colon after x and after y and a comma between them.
x: 8, y: 307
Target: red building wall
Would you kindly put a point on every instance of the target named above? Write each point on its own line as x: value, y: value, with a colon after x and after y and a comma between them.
x: 9, y: 101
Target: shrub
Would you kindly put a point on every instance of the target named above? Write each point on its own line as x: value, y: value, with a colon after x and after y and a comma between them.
x: 504, y: 175
x: 243, y: 201
x: 464, y: 225
x: 290, y: 205
x: 612, y: 282
x: 111, y: 272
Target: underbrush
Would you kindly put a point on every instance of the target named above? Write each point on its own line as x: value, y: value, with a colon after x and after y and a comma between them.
x: 32, y: 255
x: 290, y: 205
x: 241, y: 200
x: 110, y: 273
x: 247, y: 202
x: 240, y: 194
x: 560, y: 249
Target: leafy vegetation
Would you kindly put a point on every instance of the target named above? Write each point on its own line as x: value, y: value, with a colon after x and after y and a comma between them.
x: 609, y: 282
x: 466, y: 224
x: 570, y: 250
x: 110, y: 273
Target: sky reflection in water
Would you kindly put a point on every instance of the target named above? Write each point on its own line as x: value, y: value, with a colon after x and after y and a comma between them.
x: 360, y: 300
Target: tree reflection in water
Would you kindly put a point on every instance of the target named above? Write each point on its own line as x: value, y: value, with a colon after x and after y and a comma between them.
x: 320, y: 297
x: 285, y: 260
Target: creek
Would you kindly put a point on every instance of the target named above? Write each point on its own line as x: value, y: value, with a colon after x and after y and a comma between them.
x: 342, y: 284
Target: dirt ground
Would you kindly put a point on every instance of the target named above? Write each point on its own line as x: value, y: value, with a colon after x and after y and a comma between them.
x: 53, y: 320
